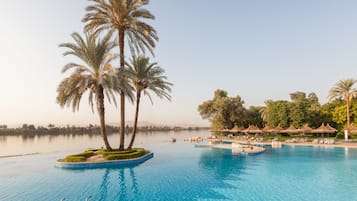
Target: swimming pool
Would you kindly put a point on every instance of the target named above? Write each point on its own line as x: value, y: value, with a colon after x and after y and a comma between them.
x: 182, y: 172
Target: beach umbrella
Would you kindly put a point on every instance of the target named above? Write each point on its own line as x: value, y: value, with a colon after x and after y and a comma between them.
x: 306, y: 129
x: 278, y: 129
x: 351, y: 129
x: 331, y: 128
x: 252, y: 129
x: 291, y: 129
x: 267, y: 129
x: 235, y: 129
x: 324, y: 129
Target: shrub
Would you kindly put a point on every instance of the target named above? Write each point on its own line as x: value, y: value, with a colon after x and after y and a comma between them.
x: 340, y: 136
x: 135, y: 153
x: 74, y: 158
x: 79, y: 157
x: 106, y: 152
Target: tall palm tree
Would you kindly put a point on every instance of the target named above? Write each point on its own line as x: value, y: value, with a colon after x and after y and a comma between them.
x: 125, y: 17
x: 146, y: 77
x: 96, y: 75
x: 344, y: 90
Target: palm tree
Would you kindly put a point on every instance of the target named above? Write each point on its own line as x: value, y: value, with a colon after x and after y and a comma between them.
x: 125, y: 17
x: 344, y: 90
x: 146, y: 77
x: 96, y: 76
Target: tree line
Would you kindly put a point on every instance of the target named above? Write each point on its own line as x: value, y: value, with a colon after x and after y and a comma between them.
x: 226, y: 112
x: 30, y: 129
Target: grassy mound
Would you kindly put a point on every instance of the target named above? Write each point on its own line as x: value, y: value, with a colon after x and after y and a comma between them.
x: 80, y: 157
x: 107, y: 155
x: 126, y: 154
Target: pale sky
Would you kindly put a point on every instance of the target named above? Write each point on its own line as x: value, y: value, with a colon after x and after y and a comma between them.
x: 262, y: 49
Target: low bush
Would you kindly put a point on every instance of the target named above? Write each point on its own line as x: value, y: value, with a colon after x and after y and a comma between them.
x: 106, y: 152
x: 108, y: 155
x: 340, y: 136
x: 79, y: 157
x: 135, y: 153
x: 73, y: 158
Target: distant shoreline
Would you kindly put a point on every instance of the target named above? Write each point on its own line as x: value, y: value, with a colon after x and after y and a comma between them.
x: 91, y: 130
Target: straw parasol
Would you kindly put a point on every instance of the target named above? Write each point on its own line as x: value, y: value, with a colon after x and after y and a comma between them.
x: 324, y: 129
x: 252, y: 129
x: 278, y: 129
x: 306, y: 129
x: 352, y: 129
x: 267, y: 129
x: 235, y: 129
x: 331, y: 128
x: 291, y: 129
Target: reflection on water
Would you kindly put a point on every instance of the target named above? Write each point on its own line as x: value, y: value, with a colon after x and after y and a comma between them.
x: 123, y: 183
x: 346, y: 151
x: 2, y: 138
x: 104, y: 186
x: 222, y: 164
x: 15, y: 145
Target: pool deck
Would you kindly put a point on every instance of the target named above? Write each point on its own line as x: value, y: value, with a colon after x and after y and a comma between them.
x: 235, y: 147
x: 264, y: 143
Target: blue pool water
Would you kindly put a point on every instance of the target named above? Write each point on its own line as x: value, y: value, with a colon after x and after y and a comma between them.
x: 182, y: 172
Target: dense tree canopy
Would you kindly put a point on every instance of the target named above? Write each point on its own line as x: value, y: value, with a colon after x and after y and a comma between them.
x: 225, y: 112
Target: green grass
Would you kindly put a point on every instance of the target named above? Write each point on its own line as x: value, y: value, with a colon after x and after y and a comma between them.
x: 128, y: 154
x: 80, y: 157
x: 108, y: 155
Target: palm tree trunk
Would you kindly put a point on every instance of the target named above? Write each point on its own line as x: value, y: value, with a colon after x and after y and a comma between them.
x: 122, y: 95
x: 138, y: 95
x: 348, y: 111
x: 101, y: 112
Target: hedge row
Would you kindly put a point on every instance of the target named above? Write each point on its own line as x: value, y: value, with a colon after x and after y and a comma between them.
x: 79, y: 157
x: 137, y: 152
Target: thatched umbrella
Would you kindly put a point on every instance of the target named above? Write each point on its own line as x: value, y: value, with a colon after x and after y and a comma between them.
x: 235, y: 129
x: 278, y: 129
x: 267, y: 129
x: 351, y: 129
x: 324, y: 129
x: 306, y: 129
x: 291, y: 129
x: 331, y: 128
x: 252, y: 129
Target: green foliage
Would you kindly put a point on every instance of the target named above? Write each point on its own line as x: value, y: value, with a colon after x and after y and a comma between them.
x: 340, y: 136
x: 277, y: 112
x: 223, y: 111
x: 95, y: 73
x: 300, y: 111
x: 79, y: 157
x: 125, y: 16
x: 118, y: 155
x: 75, y: 159
x: 105, y: 152
x: 252, y: 117
x: 339, y: 114
x: 345, y: 90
